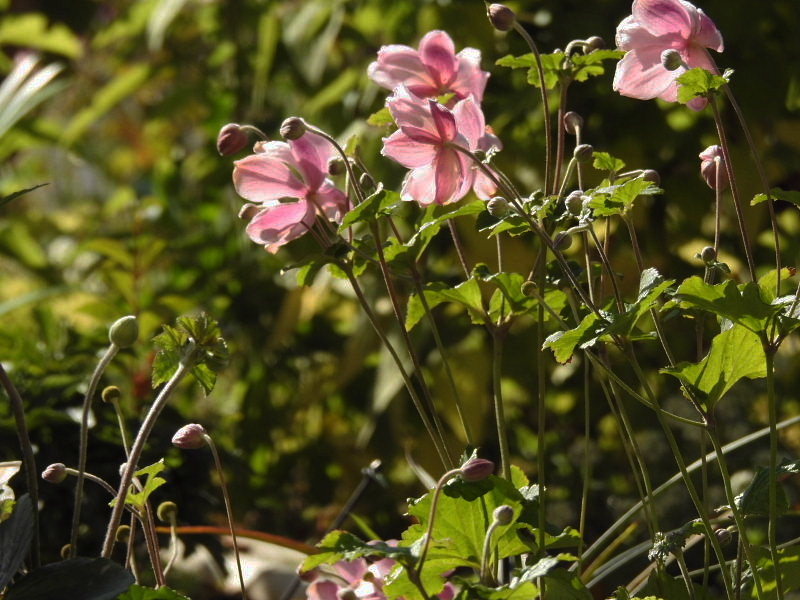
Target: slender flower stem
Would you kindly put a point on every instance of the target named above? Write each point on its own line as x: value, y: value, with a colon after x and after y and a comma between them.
x: 587, y: 461
x: 443, y: 456
x: 764, y: 185
x: 136, y: 450
x: 498, y: 335
x: 541, y: 406
x: 723, y: 138
x: 432, y: 517
x: 487, y: 552
x: 84, y: 445
x: 737, y: 515
x: 130, y: 554
x: 123, y: 430
x: 462, y: 257
x: 548, y: 134
x: 772, y: 528
x: 31, y: 474
x: 173, y: 546
x: 412, y: 353
x: 561, y: 132
x: 228, y: 509
x: 601, y: 251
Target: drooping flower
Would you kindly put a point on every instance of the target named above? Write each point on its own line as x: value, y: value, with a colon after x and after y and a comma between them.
x: 656, y: 26
x: 424, y: 143
x: 431, y: 71
x: 712, y: 168
x: 280, y: 170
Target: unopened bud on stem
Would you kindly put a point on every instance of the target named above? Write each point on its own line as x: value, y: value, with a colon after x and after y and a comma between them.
x: 190, y: 437
x: 167, y: 511
x: 574, y: 202
x: 476, y: 469
x: 595, y: 42
x: 124, y: 332
x: 231, y: 139
x: 293, y: 128
x: 583, y: 153
x: 497, y: 207
x: 111, y: 393
x: 572, y: 122
x: 501, y: 17
x: 55, y: 473
x: 503, y: 514
x: 708, y: 254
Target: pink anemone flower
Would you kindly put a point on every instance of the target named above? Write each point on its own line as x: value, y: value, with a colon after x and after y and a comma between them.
x: 279, y: 170
x: 424, y: 143
x: 433, y: 70
x: 656, y: 26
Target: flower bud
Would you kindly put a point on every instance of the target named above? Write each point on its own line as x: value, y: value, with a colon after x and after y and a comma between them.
x: 476, y: 469
x: 713, y: 167
x: 336, y: 166
x: 55, y: 473
x: 671, y: 59
x: 595, y: 42
x: 190, y: 437
x: 651, y: 176
x: 497, y: 207
x: 293, y: 128
x: 366, y: 182
x: 583, y: 153
x: 167, y: 511
x: 562, y: 241
x: 572, y: 122
x: 65, y: 551
x: 123, y: 534
x: 232, y: 138
x: 501, y: 17
x: 529, y: 289
x: 111, y: 394
x: 574, y: 203
x: 724, y: 536
x: 708, y: 254
x: 503, y: 514
x: 124, y: 332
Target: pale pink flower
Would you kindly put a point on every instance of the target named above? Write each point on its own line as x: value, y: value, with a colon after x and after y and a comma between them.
x: 713, y: 160
x: 656, y: 26
x: 280, y: 170
x: 431, y: 71
x: 424, y: 143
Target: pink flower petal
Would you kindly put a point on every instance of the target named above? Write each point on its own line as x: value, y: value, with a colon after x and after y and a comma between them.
x: 407, y: 151
x: 352, y: 571
x: 312, y: 153
x: 438, y: 54
x: 322, y: 589
x: 470, y: 121
x: 470, y: 79
x: 483, y: 186
x: 419, y: 185
x: 641, y: 75
x: 267, y: 176
x: 398, y: 65
x: 706, y: 33
x: 444, y: 121
x: 277, y: 225
x: 662, y: 17
x: 331, y: 201
x: 449, y: 177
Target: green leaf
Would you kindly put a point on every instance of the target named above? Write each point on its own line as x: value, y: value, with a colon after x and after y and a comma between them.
x: 382, y: 118
x: 672, y: 542
x: 415, y: 309
x: 526, y: 61
x: 735, y: 353
x: 603, y: 161
x: 6, y: 199
x: 698, y: 82
x: 755, y: 498
x: 740, y: 304
x: 193, y: 339
x: 381, y: 202
x: 767, y: 283
x: 618, y: 199
x: 591, y: 65
x: 564, y: 343
x: 30, y: 30
x: 152, y: 483
x: 564, y: 585
x: 791, y: 196
x: 138, y: 592
x: 789, y: 561
x: 472, y: 590
x: 77, y: 579
x: 342, y: 545
x: 468, y: 295
x: 433, y: 222
x: 16, y: 535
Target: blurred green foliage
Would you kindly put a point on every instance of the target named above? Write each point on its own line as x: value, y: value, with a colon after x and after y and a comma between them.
x: 139, y: 217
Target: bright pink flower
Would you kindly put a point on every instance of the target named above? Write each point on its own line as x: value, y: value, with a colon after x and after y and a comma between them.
x: 656, y: 26
x: 278, y: 170
x: 423, y: 143
x: 713, y: 161
x: 433, y: 70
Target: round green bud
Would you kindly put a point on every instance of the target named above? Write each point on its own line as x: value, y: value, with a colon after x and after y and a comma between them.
x: 503, y: 514
x: 167, y: 511
x: 497, y: 207
x: 572, y: 122
x: 583, y: 153
x: 574, y: 203
x: 124, y: 332
x: 529, y: 288
x: 562, y: 241
x: 111, y: 394
x: 708, y: 254
x: 123, y: 534
x: 595, y: 42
